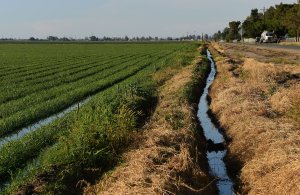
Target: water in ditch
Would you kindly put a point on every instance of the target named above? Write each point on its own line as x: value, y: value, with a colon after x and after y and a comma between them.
x: 22, y: 132
x: 216, y: 150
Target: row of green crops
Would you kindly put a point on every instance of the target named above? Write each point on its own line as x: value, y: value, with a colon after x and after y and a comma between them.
x: 52, y: 79
x: 43, y: 104
x: 94, y: 135
x: 32, y: 94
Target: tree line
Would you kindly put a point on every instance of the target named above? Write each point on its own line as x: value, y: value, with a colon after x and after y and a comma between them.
x: 282, y: 19
x: 94, y: 38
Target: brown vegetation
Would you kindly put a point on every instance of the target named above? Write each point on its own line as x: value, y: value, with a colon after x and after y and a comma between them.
x: 258, y: 105
x: 290, y: 43
x: 168, y: 157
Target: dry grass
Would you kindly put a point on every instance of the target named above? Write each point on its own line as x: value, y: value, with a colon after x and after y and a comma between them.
x: 166, y: 159
x: 290, y: 43
x: 258, y: 105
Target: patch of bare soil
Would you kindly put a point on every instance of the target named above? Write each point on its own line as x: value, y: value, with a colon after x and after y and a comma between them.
x: 267, y: 55
x: 258, y: 105
x: 168, y: 157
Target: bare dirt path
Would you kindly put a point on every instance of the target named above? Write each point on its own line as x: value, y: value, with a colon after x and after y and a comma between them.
x: 295, y: 48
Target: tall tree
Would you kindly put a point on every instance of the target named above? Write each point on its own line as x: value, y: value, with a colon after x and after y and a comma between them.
x: 253, y: 25
x: 52, y: 38
x: 292, y: 21
x: 94, y: 38
x: 217, y: 36
x: 225, y: 34
x: 234, y: 30
x: 281, y: 19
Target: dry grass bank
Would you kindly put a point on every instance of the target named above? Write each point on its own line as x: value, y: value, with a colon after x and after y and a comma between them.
x: 258, y: 104
x: 290, y: 43
x: 168, y: 158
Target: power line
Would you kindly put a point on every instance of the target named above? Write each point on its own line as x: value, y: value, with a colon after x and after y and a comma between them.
x: 264, y: 10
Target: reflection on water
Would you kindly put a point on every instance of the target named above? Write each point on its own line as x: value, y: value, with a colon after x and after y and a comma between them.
x: 211, y: 132
x: 22, y: 132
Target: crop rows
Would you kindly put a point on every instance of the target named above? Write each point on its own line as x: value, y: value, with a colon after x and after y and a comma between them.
x: 68, y: 76
x: 40, y: 92
x: 50, y: 80
x: 50, y: 101
x: 36, y: 67
x: 48, y: 134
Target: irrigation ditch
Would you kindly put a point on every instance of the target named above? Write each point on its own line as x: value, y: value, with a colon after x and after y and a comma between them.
x: 24, y: 131
x: 216, y: 146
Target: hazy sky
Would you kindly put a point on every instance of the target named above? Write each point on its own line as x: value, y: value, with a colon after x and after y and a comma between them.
x: 80, y: 18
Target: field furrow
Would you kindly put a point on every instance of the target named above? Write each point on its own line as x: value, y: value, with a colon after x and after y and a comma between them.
x: 47, y: 79
x: 19, y: 113
x: 68, y: 76
x: 47, y: 135
x: 35, y: 66
x: 65, y: 87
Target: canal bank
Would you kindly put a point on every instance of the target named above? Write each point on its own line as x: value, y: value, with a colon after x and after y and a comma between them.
x: 257, y: 105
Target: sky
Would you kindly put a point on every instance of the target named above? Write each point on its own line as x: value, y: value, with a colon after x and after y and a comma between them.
x: 82, y: 18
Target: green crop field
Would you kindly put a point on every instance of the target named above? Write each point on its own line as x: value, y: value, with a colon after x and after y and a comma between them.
x: 39, y: 80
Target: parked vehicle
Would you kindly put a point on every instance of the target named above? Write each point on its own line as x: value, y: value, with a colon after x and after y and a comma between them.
x: 268, y: 37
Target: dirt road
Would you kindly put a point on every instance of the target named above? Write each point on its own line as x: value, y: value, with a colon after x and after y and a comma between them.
x: 268, y: 54
x: 284, y: 46
x: 275, y: 45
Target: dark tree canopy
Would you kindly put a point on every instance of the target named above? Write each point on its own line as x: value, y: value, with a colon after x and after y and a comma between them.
x: 283, y: 19
x: 234, y: 30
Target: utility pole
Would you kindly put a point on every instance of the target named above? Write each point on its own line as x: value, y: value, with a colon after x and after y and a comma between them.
x: 298, y: 30
x: 242, y: 32
x: 264, y: 10
x: 242, y: 35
